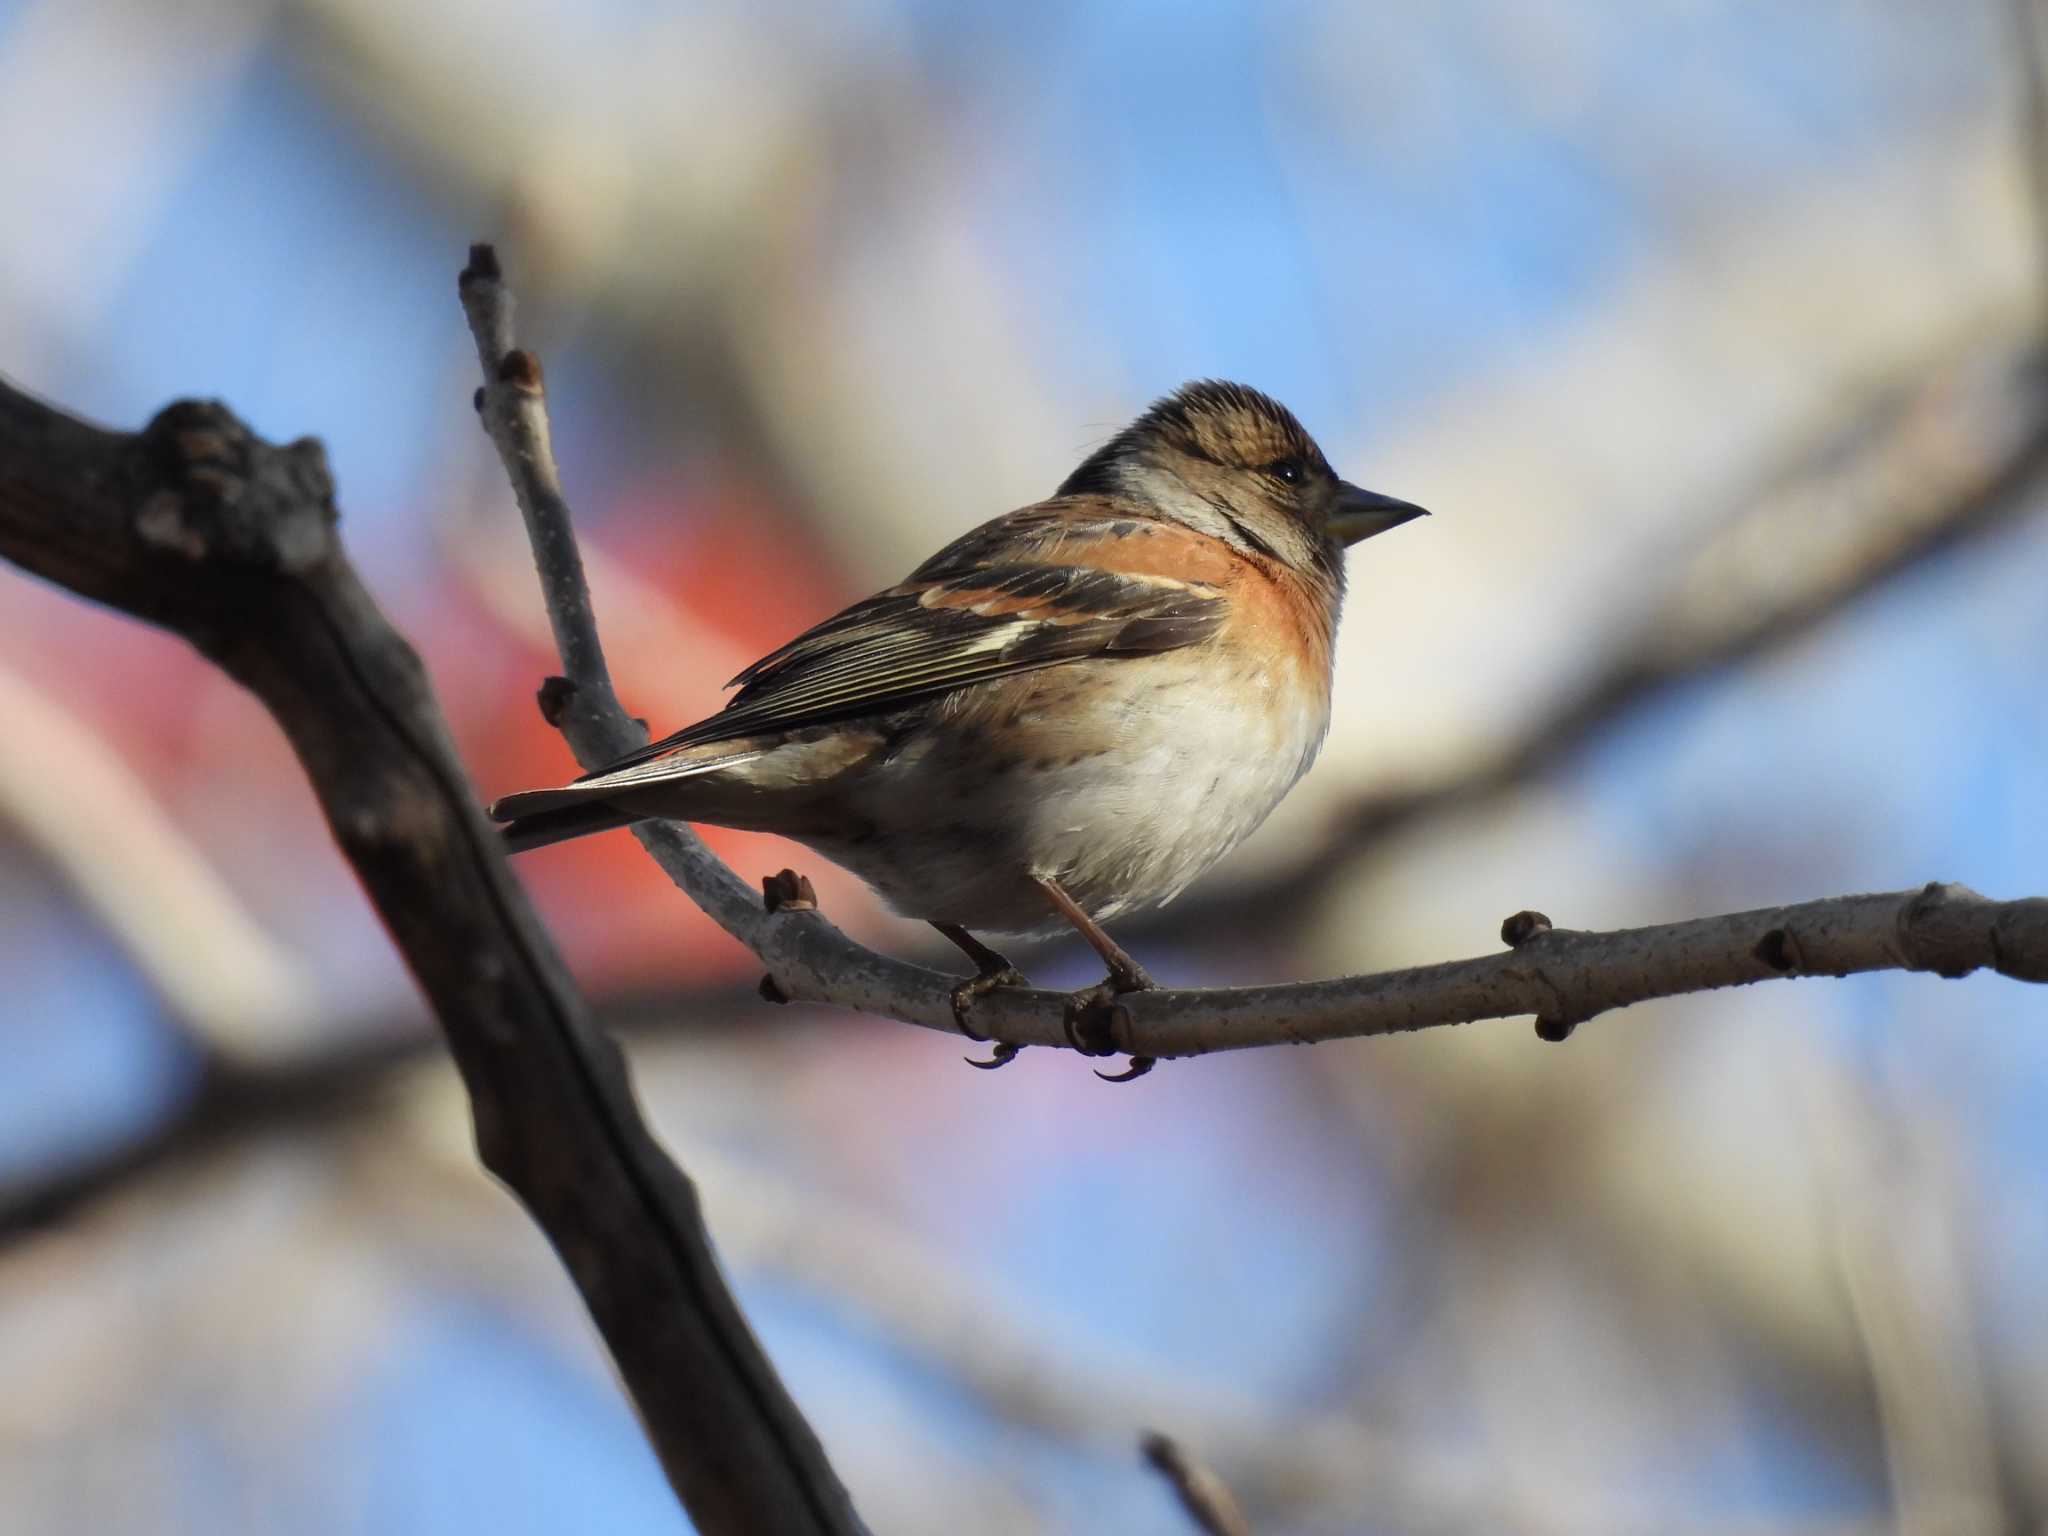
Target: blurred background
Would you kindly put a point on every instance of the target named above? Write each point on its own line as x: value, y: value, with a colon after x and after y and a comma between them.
x: 1706, y: 328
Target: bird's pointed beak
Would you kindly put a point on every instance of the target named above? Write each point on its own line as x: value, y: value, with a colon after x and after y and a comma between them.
x: 1360, y: 513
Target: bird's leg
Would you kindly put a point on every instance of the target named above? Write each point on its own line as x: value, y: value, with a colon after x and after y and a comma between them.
x: 1125, y: 974
x: 1089, y: 1011
x: 991, y: 970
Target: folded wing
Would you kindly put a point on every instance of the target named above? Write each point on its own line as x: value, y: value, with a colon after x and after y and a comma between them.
x: 953, y: 624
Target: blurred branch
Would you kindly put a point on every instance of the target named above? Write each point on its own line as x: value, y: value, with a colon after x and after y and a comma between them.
x: 343, y: 1073
x: 2032, y: 51
x: 230, y: 1104
x: 1947, y: 454
x: 597, y: 194
x: 197, y: 525
x: 1892, y: 1214
x: 1201, y: 1492
x: 1306, y: 1467
x: 1561, y: 978
x: 227, y: 981
x: 892, y: 1284
x: 1301, y: 1468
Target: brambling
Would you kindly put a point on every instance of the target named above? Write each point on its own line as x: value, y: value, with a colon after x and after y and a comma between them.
x: 1066, y: 714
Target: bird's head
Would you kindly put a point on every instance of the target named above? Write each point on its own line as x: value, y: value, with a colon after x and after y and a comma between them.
x: 1235, y: 464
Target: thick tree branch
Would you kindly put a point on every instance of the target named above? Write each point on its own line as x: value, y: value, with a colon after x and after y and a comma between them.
x: 199, y: 526
x: 1560, y: 977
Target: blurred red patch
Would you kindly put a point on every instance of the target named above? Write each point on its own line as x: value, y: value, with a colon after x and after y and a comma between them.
x: 738, y: 573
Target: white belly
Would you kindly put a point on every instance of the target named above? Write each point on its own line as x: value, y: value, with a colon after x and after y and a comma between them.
x: 1135, y: 827
x: 1123, y: 821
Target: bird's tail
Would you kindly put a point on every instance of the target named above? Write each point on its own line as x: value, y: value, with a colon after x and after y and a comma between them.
x: 544, y: 816
x: 537, y: 817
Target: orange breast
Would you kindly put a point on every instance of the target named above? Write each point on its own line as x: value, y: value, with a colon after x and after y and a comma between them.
x: 1287, y: 621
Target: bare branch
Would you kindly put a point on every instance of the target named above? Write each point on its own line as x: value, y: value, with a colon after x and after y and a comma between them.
x: 199, y: 526
x: 1564, y: 978
x: 513, y: 402
x: 1561, y: 978
x: 1201, y: 1492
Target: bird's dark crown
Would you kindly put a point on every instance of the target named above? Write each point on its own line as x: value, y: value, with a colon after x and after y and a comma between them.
x: 1230, y: 425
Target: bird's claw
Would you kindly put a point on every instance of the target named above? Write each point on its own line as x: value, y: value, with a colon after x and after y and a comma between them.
x: 1005, y: 1053
x: 1093, y: 1019
x: 1139, y: 1066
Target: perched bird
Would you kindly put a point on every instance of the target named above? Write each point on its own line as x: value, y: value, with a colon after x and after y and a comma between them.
x: 1066, y: 714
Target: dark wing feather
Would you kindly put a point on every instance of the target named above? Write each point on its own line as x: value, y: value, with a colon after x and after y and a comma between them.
x: 958, y: 621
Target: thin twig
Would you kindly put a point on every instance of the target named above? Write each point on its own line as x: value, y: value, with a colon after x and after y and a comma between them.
x: 1203, y: 1494
x: 513, y: 402
x: 1561, y: 978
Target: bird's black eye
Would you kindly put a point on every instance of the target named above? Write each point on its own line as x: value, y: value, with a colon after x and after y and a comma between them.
x: 1286, y: 471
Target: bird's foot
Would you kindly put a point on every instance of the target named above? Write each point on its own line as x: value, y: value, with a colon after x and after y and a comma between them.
x: 978, y: 986
x: 1093, y: 1014
x: 972, y: 990
x: 991, y: 970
